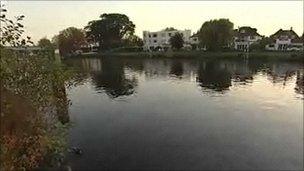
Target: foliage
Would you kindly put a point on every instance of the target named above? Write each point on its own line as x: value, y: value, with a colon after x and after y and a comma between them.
x: 11, y: 31
x: 30, y: 101
x: 35, y: 79
x: 54, y: 41
x: 47, y: 45
x: 170, y: 29
x: 260, y: 46
x: 110, y: 30
x: 177, y: 41
x: 216, y: 34
x: 133, y: 40
x: 70, y: 40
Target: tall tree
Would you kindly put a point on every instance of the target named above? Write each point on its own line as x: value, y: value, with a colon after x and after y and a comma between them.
x: 70, y: 40
x: 110, y: 30
x: 177, y: 41
x: 216, y: 34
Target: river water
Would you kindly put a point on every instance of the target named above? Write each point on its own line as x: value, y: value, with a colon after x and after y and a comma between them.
x: 155, y: 113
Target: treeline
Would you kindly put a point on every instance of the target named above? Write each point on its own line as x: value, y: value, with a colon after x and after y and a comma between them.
x: 115, y: 30
x: 108, y: 32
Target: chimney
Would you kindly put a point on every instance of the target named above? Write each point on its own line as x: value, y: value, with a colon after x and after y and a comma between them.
x: 290, y: 28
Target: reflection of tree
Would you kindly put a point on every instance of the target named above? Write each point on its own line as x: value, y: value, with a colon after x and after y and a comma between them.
x: 212, y: 76
x: 300, y: 83
x: 177, y: 69
x: 112, y: 79
x: 61, y: 103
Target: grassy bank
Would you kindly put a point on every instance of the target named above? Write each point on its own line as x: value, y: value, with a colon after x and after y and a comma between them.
x: 294, y: 56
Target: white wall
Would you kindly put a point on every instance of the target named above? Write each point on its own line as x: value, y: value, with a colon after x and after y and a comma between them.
x: 161, y: 38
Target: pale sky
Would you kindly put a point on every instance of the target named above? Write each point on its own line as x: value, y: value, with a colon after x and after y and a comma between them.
x: 47, y: 18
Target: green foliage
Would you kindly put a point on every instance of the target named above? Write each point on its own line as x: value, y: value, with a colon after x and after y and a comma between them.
x: 11, y: 31
x: 260, y: 46
x: 216, y: 34
x: 31, y: 100
x: 35, y: 79
x: 70, y: 40
x: 177, y: 41
x: 133, y: 40
x: 110, y: 30
x: 47, y: 45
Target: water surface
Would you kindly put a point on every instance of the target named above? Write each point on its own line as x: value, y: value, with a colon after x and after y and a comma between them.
x: 131, y: 113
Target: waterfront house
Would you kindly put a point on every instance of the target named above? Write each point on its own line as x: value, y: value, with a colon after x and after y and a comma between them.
x: 159, y: 40
x: 285, y: 40
x: 244, y: 37
x: 194, y: 41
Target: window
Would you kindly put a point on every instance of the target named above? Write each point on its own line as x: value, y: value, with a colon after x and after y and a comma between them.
x: 169, y: 34
x: 154, y: 35
x: 149, y: 35
x: 155, y: 41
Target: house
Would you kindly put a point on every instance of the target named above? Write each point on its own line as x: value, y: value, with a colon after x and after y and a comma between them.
x: 244, y: 37
x: 194, y: 41
x: 159, y: 40
x: 285, y: 40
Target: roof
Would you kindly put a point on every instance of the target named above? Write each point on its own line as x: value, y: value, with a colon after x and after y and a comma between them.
x: 245, y: 31
x: 297, y: 40
x: 290, y: 33
x: 194, y: 35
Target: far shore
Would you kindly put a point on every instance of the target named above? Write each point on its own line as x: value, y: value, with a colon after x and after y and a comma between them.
x: 271, y: 55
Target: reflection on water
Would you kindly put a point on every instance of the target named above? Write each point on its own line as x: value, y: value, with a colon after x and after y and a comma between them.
x: 112, y: 79
x: 186, y: 114
x: 116, y: 76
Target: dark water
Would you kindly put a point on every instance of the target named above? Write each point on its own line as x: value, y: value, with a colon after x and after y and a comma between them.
x: 158, y: 114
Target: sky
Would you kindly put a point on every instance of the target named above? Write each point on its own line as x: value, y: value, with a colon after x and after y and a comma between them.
x: 47, y: 18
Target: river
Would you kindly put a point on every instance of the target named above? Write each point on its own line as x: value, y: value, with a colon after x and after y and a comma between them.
x: 162, y: 113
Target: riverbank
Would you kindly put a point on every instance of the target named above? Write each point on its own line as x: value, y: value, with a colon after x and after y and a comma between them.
x: 293, y: 56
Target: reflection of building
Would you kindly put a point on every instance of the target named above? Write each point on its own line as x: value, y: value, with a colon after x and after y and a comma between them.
x: 160, y: 40
x: 244, y: 37
x: 285, y: 40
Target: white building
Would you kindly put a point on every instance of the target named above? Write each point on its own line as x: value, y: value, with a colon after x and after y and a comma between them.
x: 159, y: 40
x: 284, y: 40
x: 244, y: 37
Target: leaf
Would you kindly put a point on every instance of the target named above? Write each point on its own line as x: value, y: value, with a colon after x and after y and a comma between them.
x: 20, y: 25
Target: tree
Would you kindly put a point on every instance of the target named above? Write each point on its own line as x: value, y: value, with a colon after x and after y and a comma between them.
x: 260, y: 45
x: 45, y: 43
x: 216, y: 34
x: 70, y: 40
x: 177, y: 41
x: 55, y: 41
x: 110, y: 30
x: 133, y: 40
x: 11, y: 32
x: 170, y: 29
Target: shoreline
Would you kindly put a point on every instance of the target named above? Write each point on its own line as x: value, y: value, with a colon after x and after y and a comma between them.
x: 293, y: 56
